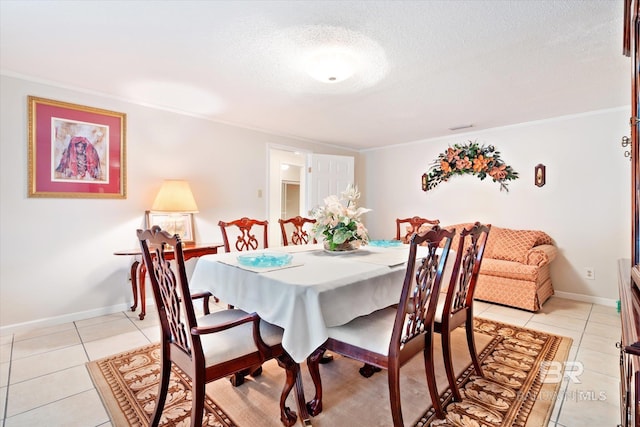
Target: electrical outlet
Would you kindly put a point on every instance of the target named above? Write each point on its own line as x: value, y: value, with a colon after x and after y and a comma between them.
x: 589, y: 273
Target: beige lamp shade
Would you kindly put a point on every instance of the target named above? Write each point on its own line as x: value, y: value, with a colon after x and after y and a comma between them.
x: 175, y: 196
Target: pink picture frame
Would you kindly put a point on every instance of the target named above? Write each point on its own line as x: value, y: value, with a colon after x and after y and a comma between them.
x: 76, y: 151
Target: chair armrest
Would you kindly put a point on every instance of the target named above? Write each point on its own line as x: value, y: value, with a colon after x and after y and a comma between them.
x: 253, y: 317
x: 541, y: 255
x: 204, y: 295
x: 263, y: 348
x: 201, y: 294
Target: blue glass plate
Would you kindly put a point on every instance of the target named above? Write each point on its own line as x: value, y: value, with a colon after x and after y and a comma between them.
x: 386, y: 243
x: 265, y: 260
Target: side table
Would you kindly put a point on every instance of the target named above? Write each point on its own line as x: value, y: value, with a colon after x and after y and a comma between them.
x: 139, y: 270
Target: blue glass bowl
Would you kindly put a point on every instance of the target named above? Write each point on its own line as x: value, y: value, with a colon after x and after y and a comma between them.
x: 386, y: 243
x: 265, y: 260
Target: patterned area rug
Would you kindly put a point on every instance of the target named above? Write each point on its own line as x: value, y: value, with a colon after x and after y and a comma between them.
x: 513, y: 391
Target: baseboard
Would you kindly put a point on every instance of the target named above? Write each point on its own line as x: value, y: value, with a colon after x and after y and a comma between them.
x: 81, y: 315
x: 586, y: 298
x: 65, y: 318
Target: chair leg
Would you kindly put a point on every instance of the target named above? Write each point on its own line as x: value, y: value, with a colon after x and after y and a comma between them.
x: 431, y: 376
x: 256, y: 371
x: 368, y: 370
x: 313, y: 364
x: 205, y: 305
x: 394, y: 395
x: 165, y: 373
x: 197, y: 402
x: 471, y: 342
x: 237, y: 379
x: 326, y: 358
x: 448, y: 363
x: 292, y: 369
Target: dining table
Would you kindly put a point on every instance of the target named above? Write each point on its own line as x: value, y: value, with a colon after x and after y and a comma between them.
x: 315, y: 290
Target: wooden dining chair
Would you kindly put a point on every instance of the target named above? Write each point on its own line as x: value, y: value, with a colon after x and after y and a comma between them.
x: 413, y: 226
x: 213, y: 346
x: 390, y: 337
x: 299, y: 235
x: 456, y: 308
x: 245, y: 239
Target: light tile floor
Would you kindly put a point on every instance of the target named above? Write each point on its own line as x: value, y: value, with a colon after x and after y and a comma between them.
x: 44, y: 381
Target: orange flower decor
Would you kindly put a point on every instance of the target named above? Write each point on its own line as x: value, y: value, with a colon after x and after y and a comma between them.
x: 473, y: 159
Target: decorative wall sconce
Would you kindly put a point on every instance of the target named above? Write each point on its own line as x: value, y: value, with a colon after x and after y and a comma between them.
x: 424, y: 182
x: 540, y: 175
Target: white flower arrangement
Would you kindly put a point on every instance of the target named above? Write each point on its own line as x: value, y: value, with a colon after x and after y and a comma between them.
x: 338, y: 222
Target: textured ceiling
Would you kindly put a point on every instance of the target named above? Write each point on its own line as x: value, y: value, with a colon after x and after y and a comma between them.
x: 420, y: 67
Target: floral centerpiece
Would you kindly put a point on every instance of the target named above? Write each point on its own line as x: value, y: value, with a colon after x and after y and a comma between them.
x: 338, y: 222
x: 473, y: 159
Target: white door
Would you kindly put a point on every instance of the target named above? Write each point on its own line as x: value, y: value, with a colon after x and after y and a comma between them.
x: 327, y: 175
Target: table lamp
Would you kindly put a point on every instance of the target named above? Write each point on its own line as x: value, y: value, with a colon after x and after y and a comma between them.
x: 175, y: 199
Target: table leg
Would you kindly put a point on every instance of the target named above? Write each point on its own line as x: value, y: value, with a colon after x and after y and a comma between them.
x: 134, y: 284
x: 293, y: 379
x: 303, y: 413
x: 141, y: 273
x: 313, y: 363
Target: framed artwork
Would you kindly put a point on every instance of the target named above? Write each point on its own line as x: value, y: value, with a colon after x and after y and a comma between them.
x: 75, y: 151
x: 173, y: 223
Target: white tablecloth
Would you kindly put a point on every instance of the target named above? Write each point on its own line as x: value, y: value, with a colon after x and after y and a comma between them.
x: 320, y: 290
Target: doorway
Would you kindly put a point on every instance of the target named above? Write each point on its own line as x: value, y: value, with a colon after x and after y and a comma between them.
x: 290, y: 199
x: 300, y: 180
x: 287, y: 188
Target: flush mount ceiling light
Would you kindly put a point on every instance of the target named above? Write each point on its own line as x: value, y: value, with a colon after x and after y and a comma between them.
x: 336, y: 54
x: 296, y: 59
x: 330, y: 65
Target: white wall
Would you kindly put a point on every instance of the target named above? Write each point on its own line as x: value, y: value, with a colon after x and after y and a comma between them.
x: 584, y: 207
x: 56, y: 255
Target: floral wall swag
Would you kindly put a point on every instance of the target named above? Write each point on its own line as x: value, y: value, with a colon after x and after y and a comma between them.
x: 473, y: 159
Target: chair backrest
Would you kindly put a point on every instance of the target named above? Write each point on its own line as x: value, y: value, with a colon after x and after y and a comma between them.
x: 420, y: 289
x: 471, y: 244
x: 299, y: 235
x: 413, y: 226
x: 171, y: 290
x: 245, y: 241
